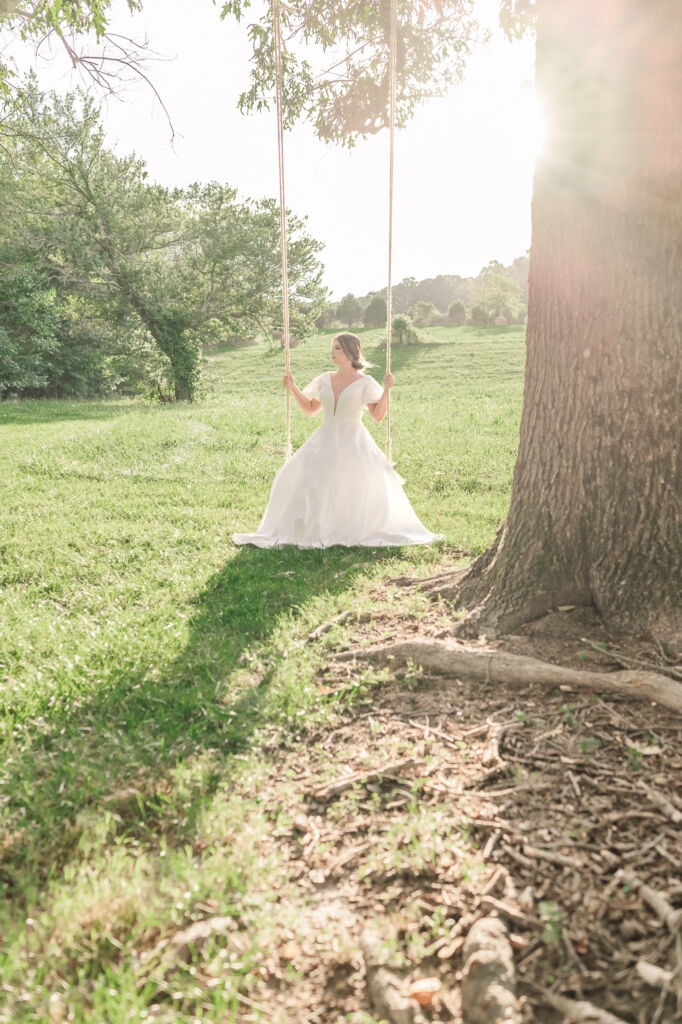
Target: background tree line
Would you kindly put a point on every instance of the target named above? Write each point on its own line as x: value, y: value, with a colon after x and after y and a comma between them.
x: 110, y: 283
x: 498, y: 291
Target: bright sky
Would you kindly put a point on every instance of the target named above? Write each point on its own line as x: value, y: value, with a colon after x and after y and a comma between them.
x: 463, y: 166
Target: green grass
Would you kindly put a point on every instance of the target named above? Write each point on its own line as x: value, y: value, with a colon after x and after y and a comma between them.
x: 144, y: 659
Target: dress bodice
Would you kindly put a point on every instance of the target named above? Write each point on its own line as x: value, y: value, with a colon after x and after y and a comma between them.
x: 346, y: 408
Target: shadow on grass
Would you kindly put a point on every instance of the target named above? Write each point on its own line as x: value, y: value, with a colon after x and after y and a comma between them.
x: 122, y: 752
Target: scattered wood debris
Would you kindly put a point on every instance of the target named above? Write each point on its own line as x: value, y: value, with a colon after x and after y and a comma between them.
x: 458, y: 826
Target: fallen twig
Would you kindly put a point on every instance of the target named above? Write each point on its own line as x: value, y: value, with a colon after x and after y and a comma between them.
x: 625, y: 659
x: 325, y: 627
x: 662, y: 803
x: 652, y: 975
x: 669, y: 916
x: 554, y: 858
x: 492, y: 905
x: 347, y: 857
x: 332, y: 789
x: 580, y: 1010
x: 496, y: 730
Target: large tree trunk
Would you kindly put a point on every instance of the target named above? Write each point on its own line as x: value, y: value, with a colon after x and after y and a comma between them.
x: 595, y: 506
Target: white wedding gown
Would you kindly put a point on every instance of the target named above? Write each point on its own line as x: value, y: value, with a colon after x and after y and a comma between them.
x: 339, y: 488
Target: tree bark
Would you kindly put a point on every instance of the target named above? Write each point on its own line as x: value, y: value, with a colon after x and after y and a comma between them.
x: 595, y: 505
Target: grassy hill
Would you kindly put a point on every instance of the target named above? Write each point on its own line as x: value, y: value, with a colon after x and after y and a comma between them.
x: 145, y: 660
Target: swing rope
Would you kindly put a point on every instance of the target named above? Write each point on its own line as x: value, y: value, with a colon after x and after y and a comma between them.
x: 391, y: 129
x: 282, y: 213
x: 283, y: 216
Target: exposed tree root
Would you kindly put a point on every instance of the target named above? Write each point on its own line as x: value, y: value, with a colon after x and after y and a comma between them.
x: 447, y: 657
x: 430, y: 584
x: 488, y: 980
x: 446, y: 584
x: 385, y: 988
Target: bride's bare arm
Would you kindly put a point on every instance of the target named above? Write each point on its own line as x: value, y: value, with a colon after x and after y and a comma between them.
x: 310, y: 406
x: 377, y: 410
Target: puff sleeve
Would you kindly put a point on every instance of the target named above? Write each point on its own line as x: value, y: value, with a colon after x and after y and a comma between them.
x: 372, y: 391
x: 313, y: 389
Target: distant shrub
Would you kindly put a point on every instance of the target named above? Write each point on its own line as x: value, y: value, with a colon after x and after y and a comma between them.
x: 402, y: 330
x: 457, y: 314
x: 479, y: 316
x: 327, y: 317
x: 424, y: 314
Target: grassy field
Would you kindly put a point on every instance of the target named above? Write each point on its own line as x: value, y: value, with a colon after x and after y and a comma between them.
x: 145, y: 661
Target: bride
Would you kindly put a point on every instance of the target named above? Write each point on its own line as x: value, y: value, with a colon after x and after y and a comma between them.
x: 339, y: 488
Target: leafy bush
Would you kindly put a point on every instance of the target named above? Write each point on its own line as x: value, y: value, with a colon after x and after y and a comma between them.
x: 28, y: 323
x: 457, y: 314
x: 479, y: 316
x: 424, y: 314
x: 402, y: 330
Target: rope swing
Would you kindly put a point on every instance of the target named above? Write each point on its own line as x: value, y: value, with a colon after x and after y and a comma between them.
x: 283, y: 216
x: 391, y: 131
x: 282, y: 213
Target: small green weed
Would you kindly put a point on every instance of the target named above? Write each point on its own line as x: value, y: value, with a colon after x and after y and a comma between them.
x: 635, y: 759
x: 588, y: 745
x: 551, y: 916
x: 567, y: 712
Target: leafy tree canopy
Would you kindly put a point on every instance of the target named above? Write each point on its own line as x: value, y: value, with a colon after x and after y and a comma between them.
x: 424, y: 313
x: 67, y: 20
x: 181, y: 268
x: 336, y: 60
x: 349, y: 311
x: 336, y: 64
x: 457, y: 314
x: 375, y: 313
x: 344, y: 97
x: 498, y: 293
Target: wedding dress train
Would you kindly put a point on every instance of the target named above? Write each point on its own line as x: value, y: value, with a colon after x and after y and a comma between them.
x: 338, y: 488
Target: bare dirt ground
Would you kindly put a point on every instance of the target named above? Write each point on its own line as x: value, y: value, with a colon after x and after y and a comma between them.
x: 437, y: 802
